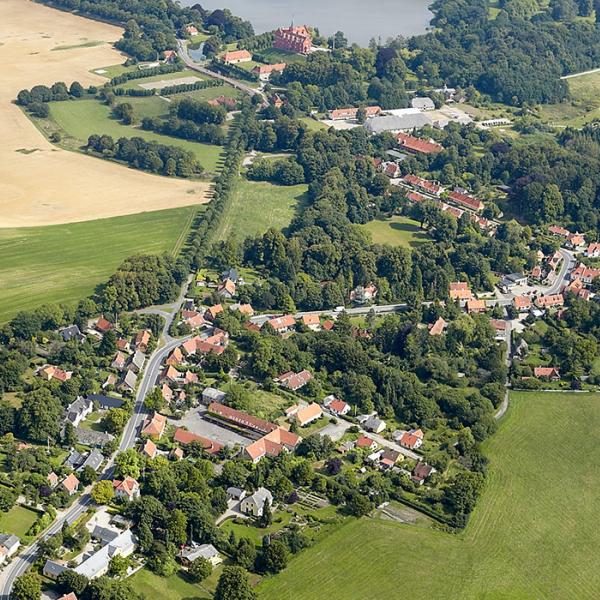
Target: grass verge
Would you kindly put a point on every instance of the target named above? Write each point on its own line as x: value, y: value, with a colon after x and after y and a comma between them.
x: 532, y: 534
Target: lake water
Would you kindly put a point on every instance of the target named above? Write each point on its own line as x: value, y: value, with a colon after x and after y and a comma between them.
x: 360, y: 20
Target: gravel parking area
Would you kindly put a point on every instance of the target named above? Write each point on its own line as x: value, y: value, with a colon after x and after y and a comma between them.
x: 195, y: 422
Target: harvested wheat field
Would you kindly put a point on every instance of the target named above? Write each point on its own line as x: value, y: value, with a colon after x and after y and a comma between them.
x: 39, y: 183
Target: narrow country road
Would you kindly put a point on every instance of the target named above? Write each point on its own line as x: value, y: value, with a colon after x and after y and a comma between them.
x: 185, y: 57
x: 23, y: 561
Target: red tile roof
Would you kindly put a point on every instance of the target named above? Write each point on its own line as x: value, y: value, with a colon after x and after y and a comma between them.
x: 240, y: 418
x: 466, y: 200
x: 182, y: 436
x: 415, y: 144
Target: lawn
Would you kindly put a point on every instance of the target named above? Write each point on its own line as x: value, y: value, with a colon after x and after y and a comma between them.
x: 17, y: 520
x: 81, y: 118
x: 62, y: 263
x: 171, y: 588
x: 532, y: 535
x: 257, y: 206
x: 582, y: 106
x: 397, y: 231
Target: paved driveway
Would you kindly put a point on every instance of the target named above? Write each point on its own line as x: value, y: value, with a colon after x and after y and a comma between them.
x: 337, y: 430
x: 194, y: 421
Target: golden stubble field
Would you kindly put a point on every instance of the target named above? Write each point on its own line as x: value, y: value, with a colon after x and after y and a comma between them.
x: 41, y: 184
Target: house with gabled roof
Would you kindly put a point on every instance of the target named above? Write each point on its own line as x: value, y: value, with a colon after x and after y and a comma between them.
x: 272, y: 444
x: 149, y: 449
x: 185, y: 437
x: 128, y: 381
x: 155, y: 427
x: 70, y: 483
x: 336, y: 406
x: 294, y: 381
x: 282, y: 324
x: 551, y: 373
x: 438, y: 327
x: 142, y: 339
x: 460, y: 290
x: 127, y: 489
x: 255, y: 503
x: 307, y: 414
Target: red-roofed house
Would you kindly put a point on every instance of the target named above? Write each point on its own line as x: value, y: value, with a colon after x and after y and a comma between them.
x: 237, y: 56
x: 522, y: 303
x: 431, y: 187
x: 438, y: 327
x: 102, y: 325
x: 294, y: 381
x: 593, y: 250
x: 476, y: 306
x: 175, y: 358
x: 411, y: 439
x: 227, y: 289
x: 149, y: 449
x: 336, y: 406
x: 184, y: 437
x: 364, y: 441
x: 550, y: 301
x: 466, y: 200
x: 272, y: 444
x: 213, y: 311
x: 459, y: 290
x: 128, y: 489
x: 142, y: 339
x: 413, y: 144
x: 70, y: 483
x: 282, y: 324
x: 240, y: 418
x: 547, y: 373
x: 155, y: 427
x: 264, y: 71
x: 307, y: 414
x: 585, y: 273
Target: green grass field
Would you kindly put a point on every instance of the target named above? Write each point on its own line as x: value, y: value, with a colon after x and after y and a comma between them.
x: 257, y: 206
x: 582, y: 107
x: 17, y: 520
x: 62, y: 263
x: 397, y: 231
x: 82, y: 118
x: 533, y: 534
x: 170, y: 588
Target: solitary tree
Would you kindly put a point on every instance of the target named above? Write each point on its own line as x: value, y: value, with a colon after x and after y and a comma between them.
x: 103, y: 492
x: 27, y: 587
x: 200, y: 569
x: 233, y: 585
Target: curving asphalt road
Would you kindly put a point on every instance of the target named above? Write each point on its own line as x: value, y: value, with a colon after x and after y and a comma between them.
x: 185, y: 57
x: 23, y: 561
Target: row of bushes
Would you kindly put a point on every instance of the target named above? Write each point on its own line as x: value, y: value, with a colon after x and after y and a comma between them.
x: 232, y: 70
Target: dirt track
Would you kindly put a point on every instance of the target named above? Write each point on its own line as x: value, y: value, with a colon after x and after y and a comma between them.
x: 39, y: 183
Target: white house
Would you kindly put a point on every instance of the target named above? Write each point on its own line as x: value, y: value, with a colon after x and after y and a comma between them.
x: 207, y: 551
x: 128, y: 489
x: 9, y: 544
x: 254, y: 504
x: 78, y: 410
x: 97, y: 564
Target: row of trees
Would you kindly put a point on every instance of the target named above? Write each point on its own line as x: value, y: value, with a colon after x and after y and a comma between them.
x: 42, y: 93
